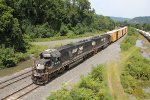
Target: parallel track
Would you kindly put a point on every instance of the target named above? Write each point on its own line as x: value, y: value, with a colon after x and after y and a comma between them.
x: 22, y: 92
x: 14, y: 80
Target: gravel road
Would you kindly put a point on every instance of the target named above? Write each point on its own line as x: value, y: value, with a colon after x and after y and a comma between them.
x: 59, y: 42
x: 70, y: 77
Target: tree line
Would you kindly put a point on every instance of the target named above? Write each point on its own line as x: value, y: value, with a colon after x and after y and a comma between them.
x: 142, y: 26
x: 22, y: 20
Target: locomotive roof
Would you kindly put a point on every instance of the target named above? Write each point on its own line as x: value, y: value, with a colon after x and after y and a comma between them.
x: 51, y: 52
x: 64, y: 47
x: 73, y: 45
x: 80, y: 42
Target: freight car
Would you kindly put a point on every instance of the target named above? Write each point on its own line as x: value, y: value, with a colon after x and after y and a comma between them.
x: 145, y: 34
x: 54, y: 61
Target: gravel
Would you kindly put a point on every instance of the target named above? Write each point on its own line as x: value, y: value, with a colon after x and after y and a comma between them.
x: 111, y: 53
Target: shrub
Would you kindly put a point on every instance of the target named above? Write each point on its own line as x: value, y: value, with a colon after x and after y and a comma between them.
x: 128, y: 83
x: 97, y: 73
x: 89, y: 83
x: 7, y: 58
x: 60, y: 95
x: 79, y: 29
x: 82, y: 94
x: 63, y: 30
x: 138, y: 67
x: 21, y: 56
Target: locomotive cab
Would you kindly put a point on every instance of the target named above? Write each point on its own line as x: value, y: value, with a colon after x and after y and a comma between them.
x: 49, y: 60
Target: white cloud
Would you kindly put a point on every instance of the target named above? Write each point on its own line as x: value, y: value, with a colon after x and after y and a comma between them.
x: 122, y: 8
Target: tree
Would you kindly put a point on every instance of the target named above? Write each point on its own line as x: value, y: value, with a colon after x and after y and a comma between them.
x: 10, y: 32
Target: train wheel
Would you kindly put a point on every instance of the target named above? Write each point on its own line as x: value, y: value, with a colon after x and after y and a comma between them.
x: 67, y: 67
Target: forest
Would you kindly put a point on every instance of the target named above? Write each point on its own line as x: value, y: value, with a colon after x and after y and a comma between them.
x: 23, y: 20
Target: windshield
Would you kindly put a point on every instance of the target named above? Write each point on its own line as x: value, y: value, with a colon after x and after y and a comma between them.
x: 49, y: 63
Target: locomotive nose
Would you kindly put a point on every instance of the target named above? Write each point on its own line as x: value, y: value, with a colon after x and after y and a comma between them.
x: 40, y: 66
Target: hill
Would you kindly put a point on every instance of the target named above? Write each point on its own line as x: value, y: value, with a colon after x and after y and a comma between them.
x: 144, y: 19
x: 119, y: 19
x: 138, y: 20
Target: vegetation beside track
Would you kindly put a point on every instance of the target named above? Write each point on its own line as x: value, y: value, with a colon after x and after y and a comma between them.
x: 130, y: 39
x: 91, y: 87
x: 136, y: 70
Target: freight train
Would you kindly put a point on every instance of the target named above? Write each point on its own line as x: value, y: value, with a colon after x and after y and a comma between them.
x: 55, y: 61
x: 145, y: 34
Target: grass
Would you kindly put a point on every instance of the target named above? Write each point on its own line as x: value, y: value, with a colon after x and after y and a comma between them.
x: 113, y: 81
x: 36, y: 50
x: 67, y: 37
x: 19, y: 67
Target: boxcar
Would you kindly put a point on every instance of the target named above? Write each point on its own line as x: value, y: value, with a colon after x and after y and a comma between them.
x: 114, y: 35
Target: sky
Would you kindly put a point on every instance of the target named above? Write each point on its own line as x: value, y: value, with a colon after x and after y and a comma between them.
x: 121, y: 8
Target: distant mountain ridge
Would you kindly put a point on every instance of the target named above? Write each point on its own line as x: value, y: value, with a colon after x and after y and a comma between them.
x: 138, y: 20
x: 119, y: 19
x: 145, y: 19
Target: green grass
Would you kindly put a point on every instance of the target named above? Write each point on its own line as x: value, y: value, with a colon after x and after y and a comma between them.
x: 20, y: 66
x: 36, y: 50
x: 67, y: 37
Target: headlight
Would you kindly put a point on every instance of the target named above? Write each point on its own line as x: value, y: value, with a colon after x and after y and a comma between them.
x: 39, y: 66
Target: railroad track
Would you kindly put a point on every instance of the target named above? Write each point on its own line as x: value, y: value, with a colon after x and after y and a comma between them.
x: 15, y: 79
x: 22, y: 92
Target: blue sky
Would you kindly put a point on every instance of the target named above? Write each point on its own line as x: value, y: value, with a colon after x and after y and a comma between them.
x: 121, y: 8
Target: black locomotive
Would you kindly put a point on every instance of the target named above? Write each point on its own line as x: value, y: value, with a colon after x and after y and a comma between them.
x: 54, y: 61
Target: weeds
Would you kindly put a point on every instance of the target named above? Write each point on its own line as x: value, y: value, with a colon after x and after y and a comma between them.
x: 89, y: 88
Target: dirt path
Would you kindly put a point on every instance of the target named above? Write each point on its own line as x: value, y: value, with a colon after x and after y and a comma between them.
x: 114, y: 84
x: 113, y: 72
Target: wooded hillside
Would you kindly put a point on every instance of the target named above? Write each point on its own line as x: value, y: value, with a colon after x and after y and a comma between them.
x: 22, y: 20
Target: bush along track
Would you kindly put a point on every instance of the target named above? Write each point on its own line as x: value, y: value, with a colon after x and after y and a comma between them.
x: 92, y: 87
x: 136, y: 71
